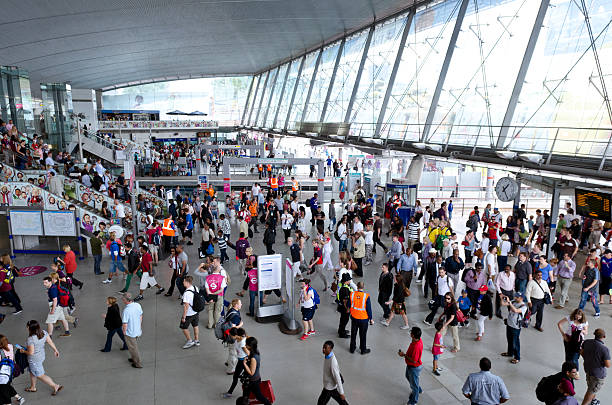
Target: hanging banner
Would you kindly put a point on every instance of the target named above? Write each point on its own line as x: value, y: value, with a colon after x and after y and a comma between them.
x: 203, y: 180
x: 226, y: 187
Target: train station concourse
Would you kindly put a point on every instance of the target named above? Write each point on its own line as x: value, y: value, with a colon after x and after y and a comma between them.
x: 315, y: 201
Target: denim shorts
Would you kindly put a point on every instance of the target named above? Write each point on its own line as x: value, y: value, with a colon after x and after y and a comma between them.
x: 436, y: 357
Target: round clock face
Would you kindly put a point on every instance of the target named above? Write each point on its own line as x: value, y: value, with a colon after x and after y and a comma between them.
x: 506, y: 189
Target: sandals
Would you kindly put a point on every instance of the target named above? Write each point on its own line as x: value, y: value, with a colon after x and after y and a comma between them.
x: 57, y: 390
x: 30, y: 389
x: 514, y: 361
x: 505, y: 354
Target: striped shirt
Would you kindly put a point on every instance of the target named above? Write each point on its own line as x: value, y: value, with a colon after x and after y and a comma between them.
x: 413, y: 231
x: 222, y: 242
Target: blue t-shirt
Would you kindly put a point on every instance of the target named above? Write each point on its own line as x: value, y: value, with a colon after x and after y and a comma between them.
x: 189, y: 222
x: 370, y: 201
x: 606, y: 267
x: 52, y: 292
x: 115, y: 250
x: 131, y: 316
x: 314, y: 203
x: 545, y: 275
x: 329, y: 162
x: 464, y: 302
x: 342, y: 187
x: 450, y: 207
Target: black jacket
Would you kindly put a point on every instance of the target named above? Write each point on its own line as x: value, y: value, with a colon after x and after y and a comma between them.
x: 133, y: 260
x: 385, y: 285
x: 486, y: 306
x: 113, y: 318
x: 295, y: 253
x: 269, y: 236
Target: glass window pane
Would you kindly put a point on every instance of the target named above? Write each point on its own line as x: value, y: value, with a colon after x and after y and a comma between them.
x: 376, y: 74
x: 283, y: 106
x: 483, y: 70
x: 321, y: 83
x: 275, y: 96
x: 251, y: 99
x: 258, y: 97
x: 261, y: 119
x: 303, y: 85
x: 419, y: 70
x: 563, y: 87
x: 345, y: 77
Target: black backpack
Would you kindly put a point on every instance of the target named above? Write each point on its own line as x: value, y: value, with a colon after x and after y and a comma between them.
x: 199, y: 302
x: 546, y: 390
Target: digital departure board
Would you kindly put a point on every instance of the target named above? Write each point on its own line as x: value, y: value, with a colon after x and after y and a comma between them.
x: 593, y: 204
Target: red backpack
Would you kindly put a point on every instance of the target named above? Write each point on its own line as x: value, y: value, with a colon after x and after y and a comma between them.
x: 63, y: 296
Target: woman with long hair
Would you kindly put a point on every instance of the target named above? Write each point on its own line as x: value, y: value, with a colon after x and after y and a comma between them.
x: 400, y: 292
x: 573, y: 328
x: 252, y: 365
x: 7, y: 392
x: 36, y: 356
x: 449, y: 319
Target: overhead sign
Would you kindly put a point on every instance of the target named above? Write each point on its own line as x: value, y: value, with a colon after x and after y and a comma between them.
x: 272, y: 161
x: 593, y: 204
x: 269, y: 272
x: 203, y: 180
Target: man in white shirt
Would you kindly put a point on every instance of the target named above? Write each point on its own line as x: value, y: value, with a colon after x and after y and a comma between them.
x: 491, y: 266
x: 534, y: 294
x: 190, y: 317
x: 504, y: 284
x: 332, y: 379
x: 357, y: 226
x: 255, y: 190
x: 120, y: 210
x: 444, y: 284
x: 286, y: 222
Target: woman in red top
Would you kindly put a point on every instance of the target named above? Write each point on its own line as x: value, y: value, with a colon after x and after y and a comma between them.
x: 70, y: 265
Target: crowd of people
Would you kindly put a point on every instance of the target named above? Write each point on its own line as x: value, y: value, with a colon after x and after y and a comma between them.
x: 498, y: 269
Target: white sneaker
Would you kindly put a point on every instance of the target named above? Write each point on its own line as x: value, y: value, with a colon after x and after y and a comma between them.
x: 190, y: 343
x: 419, y: 281
x: 404, y: 327
x: 107, y: 281
x: 197, y: 342
x: 384, y: 322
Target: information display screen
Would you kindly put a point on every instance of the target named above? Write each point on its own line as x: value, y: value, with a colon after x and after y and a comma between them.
x: 593, y: 204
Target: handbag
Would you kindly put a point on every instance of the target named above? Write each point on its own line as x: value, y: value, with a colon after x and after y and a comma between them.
x: 460, y: 316
x: 266, y: 390
x: 547, y: 299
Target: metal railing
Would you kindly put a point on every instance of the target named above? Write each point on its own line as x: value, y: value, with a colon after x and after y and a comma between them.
x: 589, y: 142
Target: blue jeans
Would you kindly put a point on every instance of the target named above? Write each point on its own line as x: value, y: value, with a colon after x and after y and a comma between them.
x: 584, y: 297
x: 514, y: 342
x: 332, y: 223
x: 252, y: 297
x: 521, y: 285
x: 109, y: 339
x: 116, y: 265
x: 342, y: 244
x: 412, y: 375
x: 97, y: 261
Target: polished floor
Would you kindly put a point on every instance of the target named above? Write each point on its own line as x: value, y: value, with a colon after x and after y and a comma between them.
x: 172, y: 375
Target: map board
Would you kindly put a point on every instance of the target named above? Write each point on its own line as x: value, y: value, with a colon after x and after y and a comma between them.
x: 269, y: 272
x: 26, y: 223
x: 59, y: 223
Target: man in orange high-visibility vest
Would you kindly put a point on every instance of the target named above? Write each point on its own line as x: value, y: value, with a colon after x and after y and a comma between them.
x: 169, y: 233
x: 295, y: 186
x: 361, y: 317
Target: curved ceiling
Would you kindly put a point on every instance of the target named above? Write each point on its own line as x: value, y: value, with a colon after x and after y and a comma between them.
x: 95, y: 44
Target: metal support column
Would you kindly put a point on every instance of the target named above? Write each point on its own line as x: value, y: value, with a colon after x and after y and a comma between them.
x: 398, y: 59
x: 253, y: 101
x: 522, y: 73
x: 312, y: 81
x: 554, y: 218
x: 332, y: 80
x: 517, y: 199
x: 297, y: 82
x: 321, y: 183
x: 447, y: 60
x: 490, y: 180
x: 280, y: 98
x: 364, y: 56
x: 265, y: 117
x: 263, y: 95
x: 246, y: 103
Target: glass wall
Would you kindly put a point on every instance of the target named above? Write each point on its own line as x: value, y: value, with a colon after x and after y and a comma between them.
x: 479, y: 82
x: 283, y: 106
x: 261, y: 118
x: 563, y: 105
x: 16, y: 99
x: 418, y: 71
x: 376, y: 73
x: 345, y: 77
x: 222, y: 98
x: 258, y: 96
x: 562, y: 102
x: 57, y: 112
x: 276, y: 95
x: 320, y: 86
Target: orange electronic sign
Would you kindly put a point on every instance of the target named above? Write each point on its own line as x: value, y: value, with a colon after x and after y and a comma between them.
x: 593, y: 204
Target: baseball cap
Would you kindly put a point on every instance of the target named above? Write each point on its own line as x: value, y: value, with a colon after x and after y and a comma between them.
x: 432, y: 250
x: 518, y: 294
x: 483, y: 288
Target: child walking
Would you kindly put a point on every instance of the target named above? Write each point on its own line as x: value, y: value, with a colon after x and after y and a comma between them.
x: 222, y: 241
x: 464, y: 306
x: 438, y: 348
x: 369, y: 244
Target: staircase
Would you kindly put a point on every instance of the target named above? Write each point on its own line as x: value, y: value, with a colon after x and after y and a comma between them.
x: 103, y: 148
